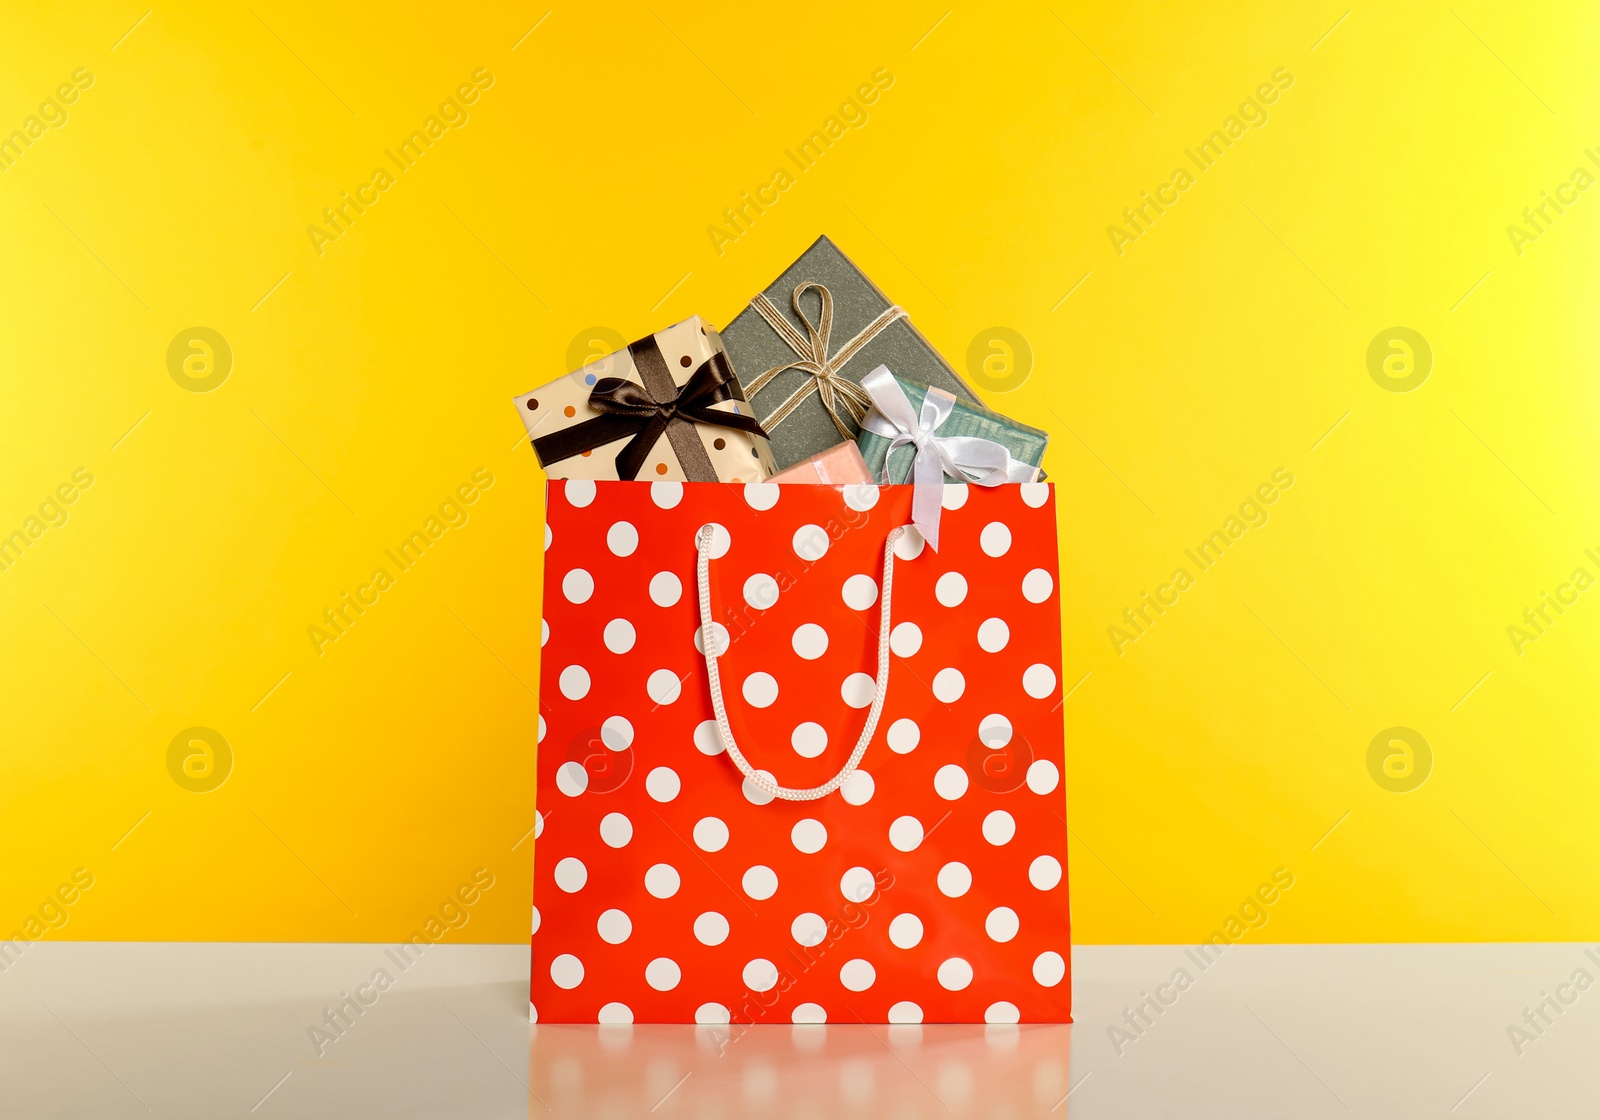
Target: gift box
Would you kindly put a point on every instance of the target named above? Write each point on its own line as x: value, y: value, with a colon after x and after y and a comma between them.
x: 840, y: 465
x: 803, y: 345
x: 666, y: 408
x: 963, y: 423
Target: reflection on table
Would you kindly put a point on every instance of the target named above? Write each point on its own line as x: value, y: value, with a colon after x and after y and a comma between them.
x: 814, y: 1072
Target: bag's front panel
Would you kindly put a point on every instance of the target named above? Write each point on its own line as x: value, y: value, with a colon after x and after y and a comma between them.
x: 931, y: 887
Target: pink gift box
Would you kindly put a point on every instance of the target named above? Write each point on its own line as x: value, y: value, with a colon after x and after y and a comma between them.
x: 837, y: 466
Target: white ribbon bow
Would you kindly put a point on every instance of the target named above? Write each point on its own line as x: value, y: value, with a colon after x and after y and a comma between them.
x: 968, y: 458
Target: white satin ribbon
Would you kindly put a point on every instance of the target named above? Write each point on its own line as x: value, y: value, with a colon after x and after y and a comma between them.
x: 971, y: 459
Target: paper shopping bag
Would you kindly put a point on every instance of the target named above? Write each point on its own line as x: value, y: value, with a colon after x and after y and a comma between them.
x: 852, y: 810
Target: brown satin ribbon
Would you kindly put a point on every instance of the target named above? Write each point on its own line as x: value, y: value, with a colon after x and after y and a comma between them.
x: 685, y: 440
x: 647, y: 412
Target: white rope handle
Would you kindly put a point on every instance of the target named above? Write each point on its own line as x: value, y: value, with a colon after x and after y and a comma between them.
x: 708, y: 641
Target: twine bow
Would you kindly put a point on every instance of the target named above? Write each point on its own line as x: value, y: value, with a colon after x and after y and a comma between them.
x: 967, y: 458
x: 840, y: 396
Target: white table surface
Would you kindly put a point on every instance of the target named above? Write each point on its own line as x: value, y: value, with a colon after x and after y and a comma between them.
x: 205, y: 1030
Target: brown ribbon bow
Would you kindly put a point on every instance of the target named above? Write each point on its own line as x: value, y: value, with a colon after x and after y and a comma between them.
x: 648, y: 411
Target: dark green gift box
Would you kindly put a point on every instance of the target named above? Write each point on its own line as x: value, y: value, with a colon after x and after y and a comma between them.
x: 831, y: 322
x: 1026, y: 444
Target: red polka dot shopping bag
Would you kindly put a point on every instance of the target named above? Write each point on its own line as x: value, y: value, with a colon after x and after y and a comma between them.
x: 795, y: 765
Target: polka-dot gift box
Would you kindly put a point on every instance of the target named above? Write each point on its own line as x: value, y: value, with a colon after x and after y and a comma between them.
x: 575, y: 439
x: 929, y: 887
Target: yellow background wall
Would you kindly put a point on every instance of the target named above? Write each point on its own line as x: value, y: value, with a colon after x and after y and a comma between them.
x: 371, y: 379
